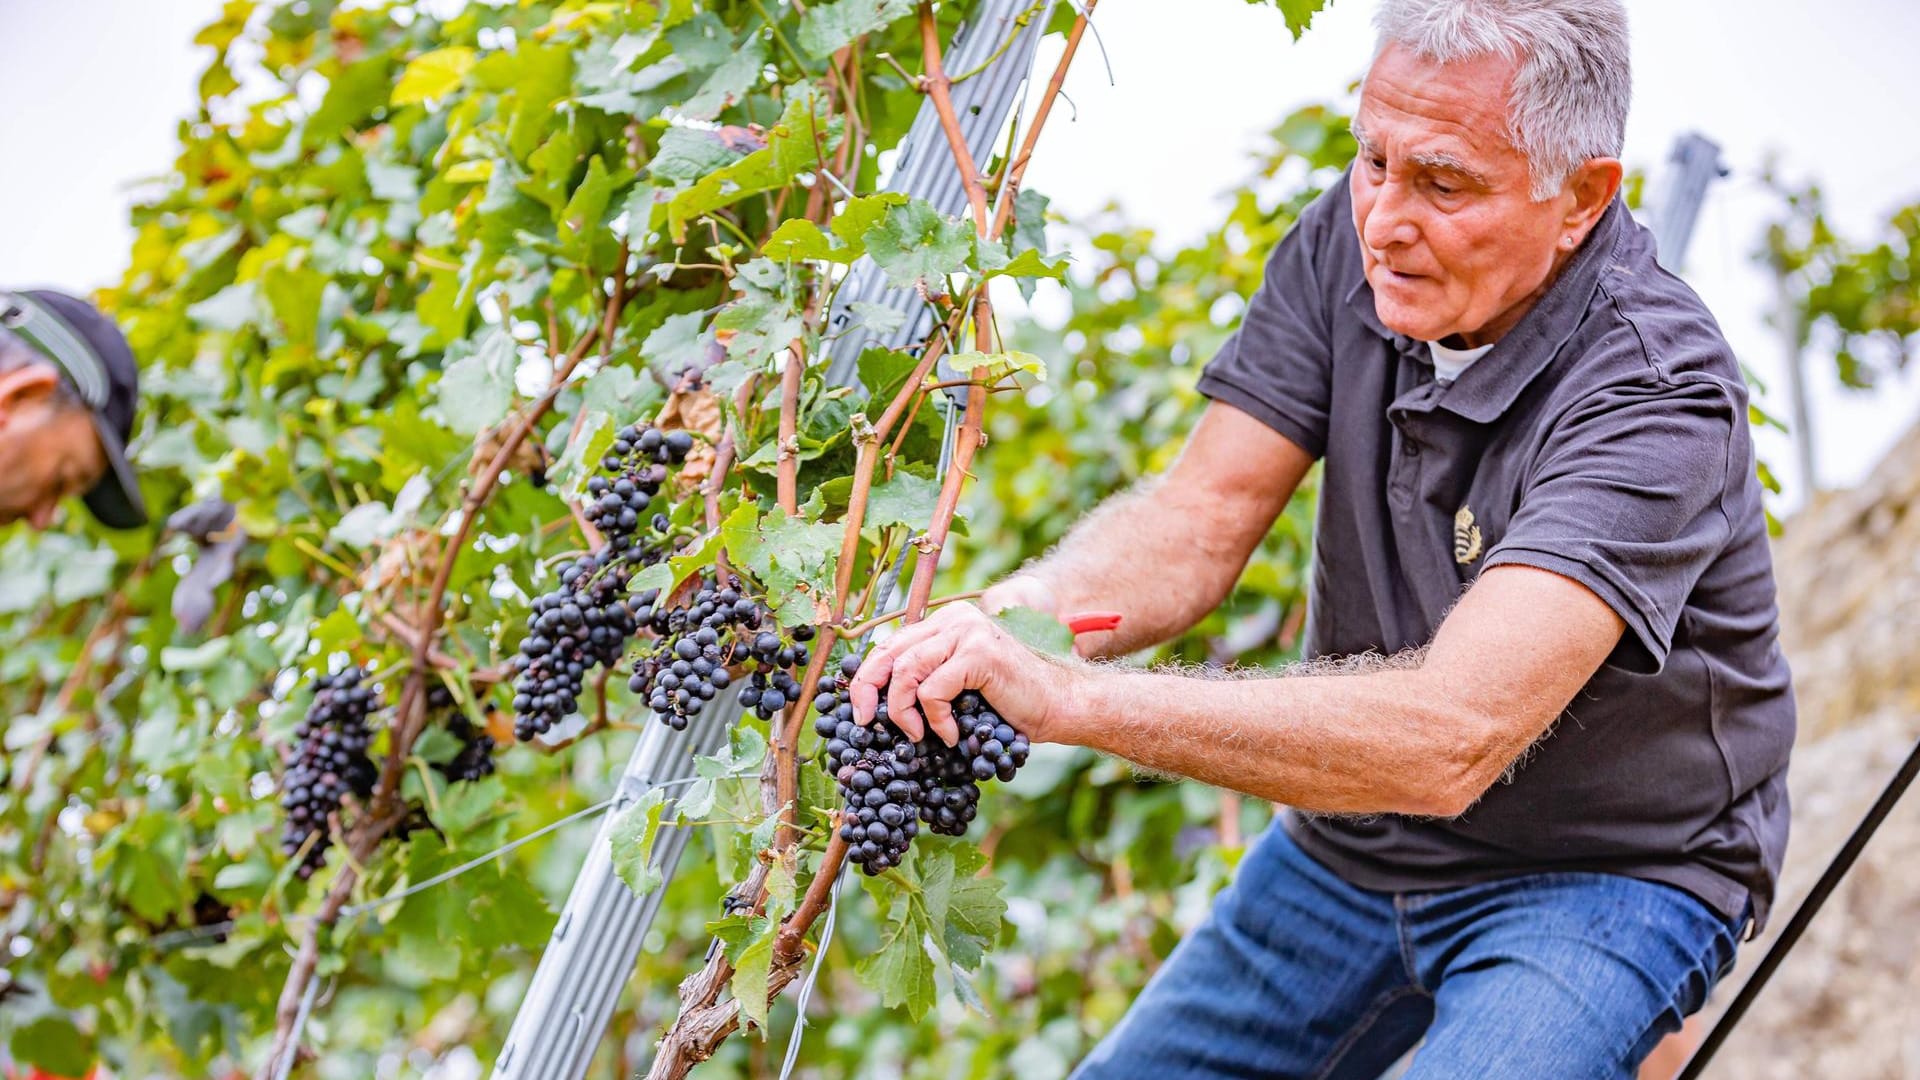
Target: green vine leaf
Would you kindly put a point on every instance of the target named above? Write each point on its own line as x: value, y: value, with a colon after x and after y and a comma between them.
x: 998, y: 365
x: 750, y: 973
x: 1299, y: 13
x: 476, y: 391
x: 906, y: 499
x: 1037, y: 630
x: 832, y: 26
x: 632, y: 838
x: 794, y: 145
x: 916, y: 243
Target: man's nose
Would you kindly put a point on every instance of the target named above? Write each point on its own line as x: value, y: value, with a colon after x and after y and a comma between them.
x: 1389, y: 222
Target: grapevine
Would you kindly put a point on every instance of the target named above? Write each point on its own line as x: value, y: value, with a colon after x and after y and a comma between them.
x: 447, y: 271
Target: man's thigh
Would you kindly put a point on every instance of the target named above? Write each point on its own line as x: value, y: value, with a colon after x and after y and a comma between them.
x: 1294, y: 974
x: 1561, y: 975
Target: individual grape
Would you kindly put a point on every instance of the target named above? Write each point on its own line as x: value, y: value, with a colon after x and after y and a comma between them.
x: 329, y: 761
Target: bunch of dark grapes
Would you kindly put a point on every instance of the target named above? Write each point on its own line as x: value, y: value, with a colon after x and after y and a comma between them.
x: 475, y: 757
x: 892, y: 785
x: 878, y: 770
x: 717, y: 628
x: 989, y: 748
x: 587, y: 621
x: 329, y: 761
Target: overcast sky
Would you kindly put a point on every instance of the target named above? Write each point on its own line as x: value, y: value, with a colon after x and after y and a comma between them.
x: 91, y: 91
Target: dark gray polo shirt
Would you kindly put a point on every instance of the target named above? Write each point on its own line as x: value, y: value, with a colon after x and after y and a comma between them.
x: 1604, y: 438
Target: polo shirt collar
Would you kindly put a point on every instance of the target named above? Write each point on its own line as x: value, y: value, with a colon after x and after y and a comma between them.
x: 1486, y: 390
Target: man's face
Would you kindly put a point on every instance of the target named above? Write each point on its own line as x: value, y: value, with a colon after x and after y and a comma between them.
x: 48, y: 448
x: 1451, y: 238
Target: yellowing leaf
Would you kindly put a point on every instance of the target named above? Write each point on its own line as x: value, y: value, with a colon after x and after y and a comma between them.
x: 998, y: 365
x: 470, y: 172
x: 433, y: 75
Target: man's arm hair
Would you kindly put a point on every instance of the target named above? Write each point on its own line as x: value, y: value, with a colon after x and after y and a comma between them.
x: 1415, y: 734
x: 1168, y: 550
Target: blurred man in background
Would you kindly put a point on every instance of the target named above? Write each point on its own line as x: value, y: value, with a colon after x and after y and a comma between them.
x: 68, y: 384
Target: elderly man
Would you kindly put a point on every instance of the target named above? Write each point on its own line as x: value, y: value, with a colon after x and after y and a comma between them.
x: 1538, y: 773
x: 68, y: 385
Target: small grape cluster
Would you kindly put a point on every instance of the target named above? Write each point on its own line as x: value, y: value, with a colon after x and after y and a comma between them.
x: 329, y: 761
x: 587, y: 621
x: 716, y: 628
x: 770, y: 664
x: 878, y: 769
x: 989, y: 748
x: 891, y: 785
x: 475, y: 757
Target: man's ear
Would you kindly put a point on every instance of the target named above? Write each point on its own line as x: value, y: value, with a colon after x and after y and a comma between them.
x: 23, y: 385
x: 1593, y: 184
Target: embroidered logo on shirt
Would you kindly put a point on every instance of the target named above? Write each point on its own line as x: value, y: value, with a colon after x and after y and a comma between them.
x: 1466, y: 538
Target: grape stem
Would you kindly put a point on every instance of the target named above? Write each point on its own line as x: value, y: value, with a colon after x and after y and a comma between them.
x: 968, y: 441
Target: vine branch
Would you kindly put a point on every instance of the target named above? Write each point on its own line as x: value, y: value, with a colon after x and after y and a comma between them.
x: 939, y: 89
x: 705, y: 1019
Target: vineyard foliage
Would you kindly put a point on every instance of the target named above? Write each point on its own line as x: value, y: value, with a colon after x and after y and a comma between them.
x: 415, y: 266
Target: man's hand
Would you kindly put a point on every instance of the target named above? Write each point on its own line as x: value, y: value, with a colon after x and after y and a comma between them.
x: 925, y: 666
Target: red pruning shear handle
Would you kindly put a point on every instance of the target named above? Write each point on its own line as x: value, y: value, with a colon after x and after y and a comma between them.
x: 1087, y: 622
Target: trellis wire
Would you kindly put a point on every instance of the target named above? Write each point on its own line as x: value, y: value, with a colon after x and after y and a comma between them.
x: 182, y: 938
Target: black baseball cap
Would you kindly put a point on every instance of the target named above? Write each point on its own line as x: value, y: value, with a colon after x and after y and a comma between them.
x: 94, y: 359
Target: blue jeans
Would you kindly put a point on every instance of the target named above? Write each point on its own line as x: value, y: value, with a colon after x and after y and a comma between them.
x: 1297, y: 974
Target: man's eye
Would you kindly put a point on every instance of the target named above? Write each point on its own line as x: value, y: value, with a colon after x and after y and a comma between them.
x: 1445, y: 189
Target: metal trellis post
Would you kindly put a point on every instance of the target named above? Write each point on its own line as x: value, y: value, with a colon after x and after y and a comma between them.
x: 597, y: 939
x: 1693, y: 164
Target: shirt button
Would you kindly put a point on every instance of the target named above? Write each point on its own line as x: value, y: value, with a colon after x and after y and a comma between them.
x: 1410, y: 448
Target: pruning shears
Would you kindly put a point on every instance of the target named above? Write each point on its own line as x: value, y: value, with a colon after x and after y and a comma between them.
x: 1087, y: 622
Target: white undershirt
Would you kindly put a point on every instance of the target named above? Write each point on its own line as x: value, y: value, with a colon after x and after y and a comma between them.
x: 1449, y: 363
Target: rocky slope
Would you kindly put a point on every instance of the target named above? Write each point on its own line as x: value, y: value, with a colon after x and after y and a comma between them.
x: 1847, y: 1002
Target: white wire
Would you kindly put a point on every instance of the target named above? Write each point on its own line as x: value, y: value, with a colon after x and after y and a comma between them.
x: 284, y: 1064
x: 188, y: 936
x: 473, y: 863
x: 813, y: 975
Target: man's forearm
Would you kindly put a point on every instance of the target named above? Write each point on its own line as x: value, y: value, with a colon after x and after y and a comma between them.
x: 1384, y: 741
x: 1129, y: 555
x: 1168, y: 550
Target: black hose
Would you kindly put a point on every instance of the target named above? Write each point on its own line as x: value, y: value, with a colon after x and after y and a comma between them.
x: 1829, y: 880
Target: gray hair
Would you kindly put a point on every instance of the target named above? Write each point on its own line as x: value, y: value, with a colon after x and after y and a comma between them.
x: 1575, y: 77
x: 16, y: 354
